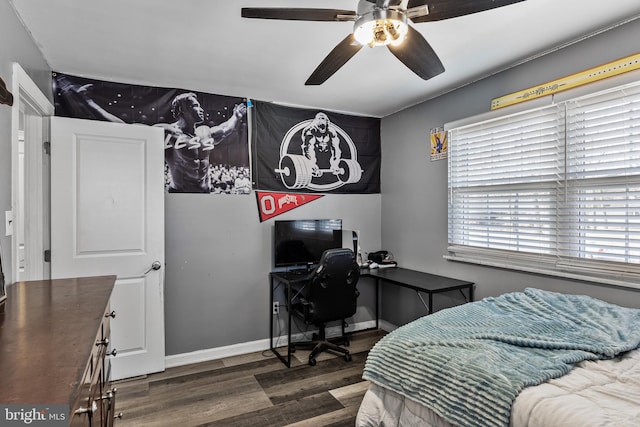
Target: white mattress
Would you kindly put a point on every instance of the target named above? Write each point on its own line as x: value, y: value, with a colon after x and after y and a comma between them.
x: 595, y: 393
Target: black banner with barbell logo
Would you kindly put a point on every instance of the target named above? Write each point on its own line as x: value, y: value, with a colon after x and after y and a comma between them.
x: 305, y: 150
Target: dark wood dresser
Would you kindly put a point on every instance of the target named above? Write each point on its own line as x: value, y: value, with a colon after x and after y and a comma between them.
x: 54, y: 338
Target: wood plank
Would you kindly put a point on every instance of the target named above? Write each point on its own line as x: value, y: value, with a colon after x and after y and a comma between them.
x: 316, y: 383
x: 302, y: 372
x: 352, y: 394
x: 196, y: 401
x: 284, y: 413
x: 255, y: 389
x: 341, y: 417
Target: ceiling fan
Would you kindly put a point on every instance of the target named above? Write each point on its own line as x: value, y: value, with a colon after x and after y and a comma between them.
x: 382, y: 23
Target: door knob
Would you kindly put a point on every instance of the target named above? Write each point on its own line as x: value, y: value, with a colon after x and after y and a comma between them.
x: 155, y: 266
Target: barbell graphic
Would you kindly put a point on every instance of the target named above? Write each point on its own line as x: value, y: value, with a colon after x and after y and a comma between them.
x: 296, y: 171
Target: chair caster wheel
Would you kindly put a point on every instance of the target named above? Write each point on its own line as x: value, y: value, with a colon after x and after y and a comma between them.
x: 312, y: 362
x: 347, y: 357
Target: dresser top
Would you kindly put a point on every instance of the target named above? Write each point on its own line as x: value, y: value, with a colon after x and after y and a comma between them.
x: 47, y: 331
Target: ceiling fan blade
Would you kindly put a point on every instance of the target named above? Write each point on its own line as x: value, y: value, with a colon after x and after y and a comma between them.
x: 298, y: 14
x: 445, y: 9
x: 339, y: 56
x: 416, y: 53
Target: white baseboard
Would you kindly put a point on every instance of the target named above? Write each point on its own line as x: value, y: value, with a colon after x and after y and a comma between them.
x: 215, y: 353
x: 175, y: 360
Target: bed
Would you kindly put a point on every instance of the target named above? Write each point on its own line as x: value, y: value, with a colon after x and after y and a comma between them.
x: 523, y: 359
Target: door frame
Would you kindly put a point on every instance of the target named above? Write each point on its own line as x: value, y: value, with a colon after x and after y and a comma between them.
x: 28, y: 95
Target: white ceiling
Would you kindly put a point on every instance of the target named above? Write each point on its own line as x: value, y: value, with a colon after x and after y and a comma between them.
x: 205, y: 45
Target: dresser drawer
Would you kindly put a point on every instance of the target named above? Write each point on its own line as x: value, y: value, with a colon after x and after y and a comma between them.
x: 95, y: 403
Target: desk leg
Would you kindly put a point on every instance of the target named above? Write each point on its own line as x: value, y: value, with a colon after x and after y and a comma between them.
x: 377, y: 304
x: 288, y: 302
x: 271, y: 316
x: 287, y: 360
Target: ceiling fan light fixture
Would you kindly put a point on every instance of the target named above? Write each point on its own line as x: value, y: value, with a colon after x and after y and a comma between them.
x: 381, y: 27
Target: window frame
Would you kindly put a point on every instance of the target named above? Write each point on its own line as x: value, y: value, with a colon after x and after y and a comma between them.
x: 557, y: 261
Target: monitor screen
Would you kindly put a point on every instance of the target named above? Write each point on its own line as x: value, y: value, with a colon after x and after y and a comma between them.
x: 302, y: 241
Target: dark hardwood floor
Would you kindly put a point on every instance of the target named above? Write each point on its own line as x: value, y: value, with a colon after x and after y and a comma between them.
x: 251, y: 390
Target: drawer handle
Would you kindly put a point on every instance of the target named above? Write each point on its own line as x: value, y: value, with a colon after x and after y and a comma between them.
x: 113, y: 353
x: 104, y: 342
x: 118, y: 416
x: 94, y: 408
x: 110, y: 394
x: 112, y: 314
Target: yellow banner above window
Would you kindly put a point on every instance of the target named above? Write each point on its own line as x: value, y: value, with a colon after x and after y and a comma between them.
x: 614, y: 68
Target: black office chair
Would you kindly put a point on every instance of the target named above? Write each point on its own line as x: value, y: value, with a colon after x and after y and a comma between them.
x: 329, y: 295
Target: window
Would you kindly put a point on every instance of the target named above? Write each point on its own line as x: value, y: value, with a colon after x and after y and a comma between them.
x: 553, y: 190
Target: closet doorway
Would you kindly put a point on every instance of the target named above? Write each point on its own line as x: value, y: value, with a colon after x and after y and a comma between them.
x: 29, y: 217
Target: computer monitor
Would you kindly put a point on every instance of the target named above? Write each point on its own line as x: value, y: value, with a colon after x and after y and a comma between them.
x: 301, y: 242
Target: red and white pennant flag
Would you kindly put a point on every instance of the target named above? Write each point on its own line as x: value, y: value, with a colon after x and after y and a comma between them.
x: 272, y: 204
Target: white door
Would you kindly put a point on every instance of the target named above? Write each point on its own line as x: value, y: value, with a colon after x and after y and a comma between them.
x: 107, y: 217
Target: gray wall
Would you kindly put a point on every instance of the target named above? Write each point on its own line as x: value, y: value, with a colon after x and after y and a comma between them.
x: 218, y: 258
x: 16, y: 46
x: 414, y: 198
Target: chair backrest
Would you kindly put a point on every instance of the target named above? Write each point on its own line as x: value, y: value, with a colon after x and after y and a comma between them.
x: 332, y: 288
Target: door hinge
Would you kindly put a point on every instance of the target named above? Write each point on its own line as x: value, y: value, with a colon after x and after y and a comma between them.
x: 47, y: 255
x: 46, y: 145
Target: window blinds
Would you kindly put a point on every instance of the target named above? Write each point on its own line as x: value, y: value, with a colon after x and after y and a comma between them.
x: 555, y: 189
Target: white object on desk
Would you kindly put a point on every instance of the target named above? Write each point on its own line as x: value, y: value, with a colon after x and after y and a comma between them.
x: 387, y: 265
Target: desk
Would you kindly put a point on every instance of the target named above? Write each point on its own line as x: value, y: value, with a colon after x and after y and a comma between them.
x: 420, y: 282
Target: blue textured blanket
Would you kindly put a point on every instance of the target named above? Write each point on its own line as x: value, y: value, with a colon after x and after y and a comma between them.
x: 468, y: 363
